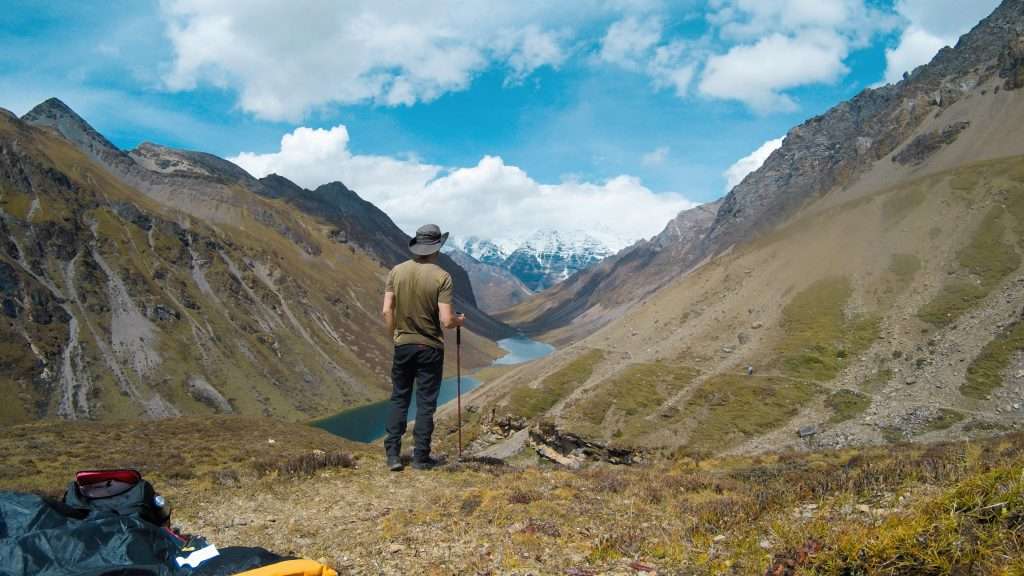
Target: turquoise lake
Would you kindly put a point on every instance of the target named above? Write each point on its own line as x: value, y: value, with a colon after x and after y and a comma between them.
x: 366, y: 423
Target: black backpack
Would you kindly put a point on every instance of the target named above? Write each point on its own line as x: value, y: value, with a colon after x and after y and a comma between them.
x: 117, y: 492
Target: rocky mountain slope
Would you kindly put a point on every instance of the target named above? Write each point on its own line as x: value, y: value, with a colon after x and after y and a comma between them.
x: 162, y: 282
x: 600, y: 293
x: 824, y: 154
x: 881, y: 299
x: 495, y: 287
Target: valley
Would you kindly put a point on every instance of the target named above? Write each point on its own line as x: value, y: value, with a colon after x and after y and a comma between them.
x: 820, y: 372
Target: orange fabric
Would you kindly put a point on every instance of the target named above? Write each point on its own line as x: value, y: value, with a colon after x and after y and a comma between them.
x: 291, y: 568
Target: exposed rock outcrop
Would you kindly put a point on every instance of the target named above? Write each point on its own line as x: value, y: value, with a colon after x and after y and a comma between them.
x: 572, y: 451
x: 832, y: 149
x: 922, y: 147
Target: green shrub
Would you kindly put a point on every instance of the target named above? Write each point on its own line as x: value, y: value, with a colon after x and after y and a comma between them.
x: 846, y: 405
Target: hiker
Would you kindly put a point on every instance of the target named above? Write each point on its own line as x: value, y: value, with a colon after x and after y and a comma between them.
x: 417, y: 304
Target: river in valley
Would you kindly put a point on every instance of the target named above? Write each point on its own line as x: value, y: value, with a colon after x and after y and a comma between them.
x: 366, y: 423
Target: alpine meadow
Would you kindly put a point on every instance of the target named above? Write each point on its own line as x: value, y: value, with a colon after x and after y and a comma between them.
x: 806, y: 361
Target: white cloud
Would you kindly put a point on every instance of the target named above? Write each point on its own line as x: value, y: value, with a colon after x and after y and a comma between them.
x: 916, y: 47
x: 779, y: 45
x: 288, y: 58
x: 474, y: 201
x: 672, y: 68
x: 629, y: 41
x: 655, y: 157
x: 758, y: 74
x: 533, y: 48
x: 932, y: 25
x: 751, y: 20
x: 311, y: 157
x: 636, y: 45
x: 741, y: 168
x: 945, y: 18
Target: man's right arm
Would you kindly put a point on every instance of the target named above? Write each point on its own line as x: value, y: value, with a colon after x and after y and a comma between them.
x: 448, y: 318
x: 445, y: 297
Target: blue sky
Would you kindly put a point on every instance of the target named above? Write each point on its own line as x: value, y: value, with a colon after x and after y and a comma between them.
x: 541, y: 115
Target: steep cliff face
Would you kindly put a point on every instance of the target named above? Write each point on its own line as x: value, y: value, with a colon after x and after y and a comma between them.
x: 198, y: 184
x: 116, y: 307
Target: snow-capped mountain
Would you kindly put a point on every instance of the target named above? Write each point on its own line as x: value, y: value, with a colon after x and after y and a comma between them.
x: 483, y: 250
x: 545, y: 257
x: 549, y: 256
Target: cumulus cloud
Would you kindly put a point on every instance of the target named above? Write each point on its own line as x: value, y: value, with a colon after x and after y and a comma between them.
x: 741, y: 168
x: 637, y: 45
x: 629, y: 41
x: 784, y: 44
x: 746, y: 20
x: 476, y: 200
x: 655, y: 157
x: 758, y: 74
x: 931, y: 25
x: 286, y: 59
x: 754, y: 51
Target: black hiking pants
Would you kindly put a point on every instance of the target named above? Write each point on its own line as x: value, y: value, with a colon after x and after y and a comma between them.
x: 422, y: 365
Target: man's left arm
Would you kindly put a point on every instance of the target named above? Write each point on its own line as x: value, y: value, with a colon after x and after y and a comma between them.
x: 389, y: 304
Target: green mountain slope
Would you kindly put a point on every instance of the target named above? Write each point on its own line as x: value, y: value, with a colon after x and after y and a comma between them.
x: 127, y: 292
x: 883, y: 303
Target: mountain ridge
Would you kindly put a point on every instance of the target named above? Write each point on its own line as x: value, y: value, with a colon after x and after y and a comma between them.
x: 875, y: 300
x: 121, y: 299
x: 821, y: 155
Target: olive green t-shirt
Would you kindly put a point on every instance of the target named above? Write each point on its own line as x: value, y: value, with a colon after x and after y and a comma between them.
x: 418, y: 288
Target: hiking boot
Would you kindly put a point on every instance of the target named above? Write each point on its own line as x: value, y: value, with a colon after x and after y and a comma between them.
x: 395, y: 463
x: 428, y: 463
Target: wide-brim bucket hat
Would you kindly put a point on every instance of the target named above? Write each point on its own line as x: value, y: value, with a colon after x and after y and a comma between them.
x: 428, y: 240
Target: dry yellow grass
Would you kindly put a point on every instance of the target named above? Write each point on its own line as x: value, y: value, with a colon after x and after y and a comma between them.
x: 904, y: 509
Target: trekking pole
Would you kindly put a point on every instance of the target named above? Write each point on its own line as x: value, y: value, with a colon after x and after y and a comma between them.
x: 458, y: 381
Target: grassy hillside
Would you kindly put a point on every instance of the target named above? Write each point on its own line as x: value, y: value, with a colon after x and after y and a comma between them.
x: 116, y: 306
x: 875, y: 315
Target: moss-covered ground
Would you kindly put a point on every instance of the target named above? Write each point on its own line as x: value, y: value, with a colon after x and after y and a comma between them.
x: 631, y: 398
x: 818, y: 338
x: 990, y: 256
x: 728, y: 409
x: 529, y: 402
x: 988, y: 371
x: 846, y: 405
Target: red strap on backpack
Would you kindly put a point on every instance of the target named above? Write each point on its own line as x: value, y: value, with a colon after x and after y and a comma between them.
x: 90, y: 477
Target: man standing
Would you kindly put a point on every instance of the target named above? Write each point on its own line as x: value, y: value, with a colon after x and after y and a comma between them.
x: 417, y: 304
